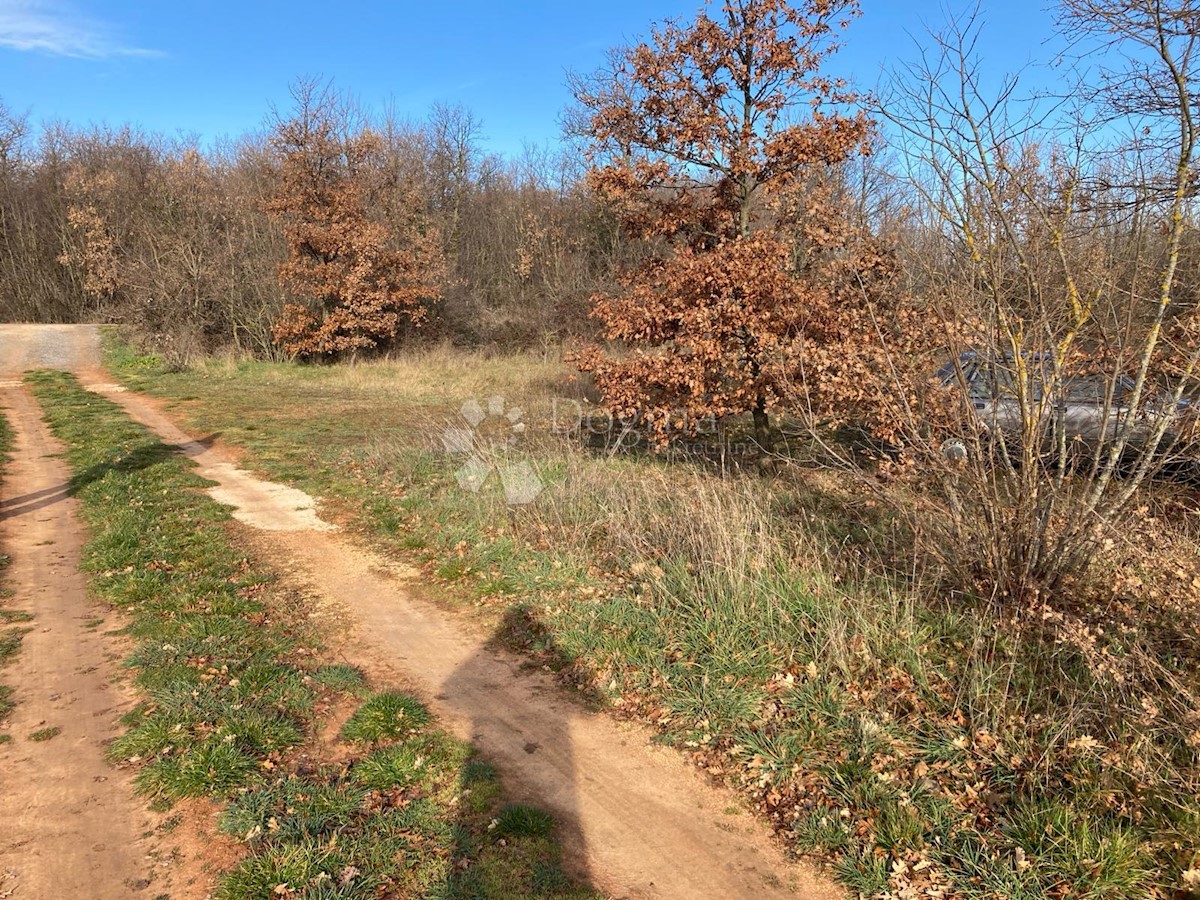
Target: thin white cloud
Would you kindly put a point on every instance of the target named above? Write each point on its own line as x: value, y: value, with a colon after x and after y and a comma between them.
x: 53, y: 27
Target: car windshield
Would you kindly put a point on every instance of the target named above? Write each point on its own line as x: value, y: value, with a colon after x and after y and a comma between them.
x: 989, y: 380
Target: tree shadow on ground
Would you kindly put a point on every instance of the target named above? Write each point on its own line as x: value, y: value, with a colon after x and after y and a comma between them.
x: 142, y: 458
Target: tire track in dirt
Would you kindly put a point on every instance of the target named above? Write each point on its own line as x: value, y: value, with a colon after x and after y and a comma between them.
x: 71, y: 825
x: 638, y: 821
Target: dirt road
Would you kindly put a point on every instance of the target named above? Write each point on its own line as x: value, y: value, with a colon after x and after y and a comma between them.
x: 71, y: 824
x: 25, y: 347
x: 639, y: 822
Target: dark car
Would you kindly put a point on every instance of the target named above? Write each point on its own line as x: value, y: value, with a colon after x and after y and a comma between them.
x: 1093, y: 408
x: 1090, y: 411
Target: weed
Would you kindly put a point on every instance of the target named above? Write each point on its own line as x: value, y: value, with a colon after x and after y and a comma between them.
x: 45, y: 734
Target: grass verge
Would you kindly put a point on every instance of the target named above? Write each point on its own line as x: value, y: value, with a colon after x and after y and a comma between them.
x: 923, y: 742
x: 10, y: 619
x: 234, y: 690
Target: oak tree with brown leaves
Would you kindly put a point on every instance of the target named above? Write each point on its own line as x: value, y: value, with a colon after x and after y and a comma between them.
x: 699, y: 145
x: 360, y: 278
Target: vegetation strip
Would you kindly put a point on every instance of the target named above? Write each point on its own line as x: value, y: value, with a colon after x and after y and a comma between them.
x: 10, y: 634
x: 234, y: 690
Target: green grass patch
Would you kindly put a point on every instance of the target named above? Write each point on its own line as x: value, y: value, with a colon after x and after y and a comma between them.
x: 225, y: 698
x: 10, y: 638
x: 45, y: 734
x: 416, y: 817
x: 10, y: 643
x: 341, y: 677
x: 524, y: 821
x: 222, y: 694
x: 6, y: 437
x: 386, y: 716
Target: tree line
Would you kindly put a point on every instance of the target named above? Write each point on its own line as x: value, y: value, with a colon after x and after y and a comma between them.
x: 205, y: 248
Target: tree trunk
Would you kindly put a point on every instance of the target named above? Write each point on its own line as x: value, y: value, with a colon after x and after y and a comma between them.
x: 762, y: 424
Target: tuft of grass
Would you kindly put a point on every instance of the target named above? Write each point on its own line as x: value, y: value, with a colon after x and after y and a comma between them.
x: 524, y: 821
x: 340, y: 677
x: 294, y: 809
x: 10, y: 643
x: 410, y: 763
x: 386, y: 716
x: 45, y: 734
x: 6, y: 438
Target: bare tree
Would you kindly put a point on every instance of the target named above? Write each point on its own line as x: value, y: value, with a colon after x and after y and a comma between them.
x: 1067, y: 349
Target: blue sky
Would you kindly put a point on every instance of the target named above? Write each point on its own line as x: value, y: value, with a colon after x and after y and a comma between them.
x: 214, y: 67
